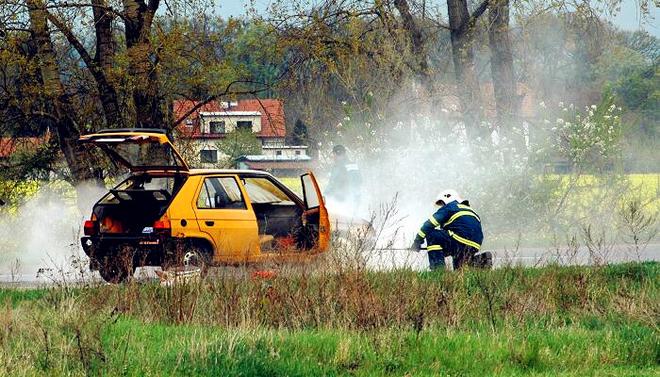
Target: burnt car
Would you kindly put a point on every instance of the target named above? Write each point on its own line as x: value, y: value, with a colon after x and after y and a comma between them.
x: 167, y: 214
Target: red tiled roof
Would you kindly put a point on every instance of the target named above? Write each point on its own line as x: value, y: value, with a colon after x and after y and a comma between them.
x: 9, y: 145
x: 272, y: 115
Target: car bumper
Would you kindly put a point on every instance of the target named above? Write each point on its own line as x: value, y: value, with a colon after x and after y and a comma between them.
x: 145, y: 250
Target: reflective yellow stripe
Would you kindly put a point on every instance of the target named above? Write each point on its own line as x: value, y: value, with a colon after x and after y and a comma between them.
x: 464, y: 206
x: 433, y: 247
x: 421, y: 234
x: 434, y: 221
x: 459, y: 214
x: 464, y: 241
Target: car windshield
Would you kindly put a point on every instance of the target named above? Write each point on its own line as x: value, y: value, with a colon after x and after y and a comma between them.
x: 262, y: 190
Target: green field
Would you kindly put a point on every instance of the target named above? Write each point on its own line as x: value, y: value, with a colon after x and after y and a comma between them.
x: 567, y: 321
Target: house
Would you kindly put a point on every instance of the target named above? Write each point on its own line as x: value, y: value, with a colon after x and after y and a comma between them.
x: 279, y: 160
x: 212, y: 121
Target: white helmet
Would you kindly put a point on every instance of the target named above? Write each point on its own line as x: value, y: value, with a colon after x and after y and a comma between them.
x: 448, y: 196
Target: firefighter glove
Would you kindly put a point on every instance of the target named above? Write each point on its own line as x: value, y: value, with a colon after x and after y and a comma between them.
x: 416, y: 246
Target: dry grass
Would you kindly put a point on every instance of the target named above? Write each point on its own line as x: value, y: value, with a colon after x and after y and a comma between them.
x: 315, y: 320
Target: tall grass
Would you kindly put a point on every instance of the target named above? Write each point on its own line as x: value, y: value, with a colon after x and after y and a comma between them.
x: 312, y: 321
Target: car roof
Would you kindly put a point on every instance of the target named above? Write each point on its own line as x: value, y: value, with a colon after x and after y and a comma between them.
x: 228, y: 171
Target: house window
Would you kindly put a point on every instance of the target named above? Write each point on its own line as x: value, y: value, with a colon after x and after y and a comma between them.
x: 244, y: 125
x: 208, y: 156
x: 189, y: 123
x: 278, y: 153
x: 217, y: 127
x: 297, y: 153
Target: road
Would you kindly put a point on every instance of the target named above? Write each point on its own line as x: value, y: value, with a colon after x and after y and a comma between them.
x: 46, y: 275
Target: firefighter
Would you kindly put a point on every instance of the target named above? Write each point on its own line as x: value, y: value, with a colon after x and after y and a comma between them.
x: 454, y: 229
x: 345, y: 181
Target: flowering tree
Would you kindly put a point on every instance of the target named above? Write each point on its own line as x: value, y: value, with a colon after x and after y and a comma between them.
x: 589, y: 140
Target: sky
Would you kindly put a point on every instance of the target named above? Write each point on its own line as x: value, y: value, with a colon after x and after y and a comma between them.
x: 628, y: 18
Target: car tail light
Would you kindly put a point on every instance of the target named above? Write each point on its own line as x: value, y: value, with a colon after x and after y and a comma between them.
x: 90, y: 227
x: 162, y: 225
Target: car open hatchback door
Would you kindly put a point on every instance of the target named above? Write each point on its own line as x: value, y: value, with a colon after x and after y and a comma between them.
x: 138, y: 149
x: 315, y: 212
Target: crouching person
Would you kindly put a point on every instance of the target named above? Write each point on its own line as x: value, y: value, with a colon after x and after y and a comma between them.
x: 453, y: 230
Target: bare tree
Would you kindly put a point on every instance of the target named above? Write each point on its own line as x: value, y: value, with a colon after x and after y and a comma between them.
x: 95, y: 65
x: 462, y: 23
x: 501, y: 65
x: 417, y: 41
x: 143, y: 62
x: 55, y: 95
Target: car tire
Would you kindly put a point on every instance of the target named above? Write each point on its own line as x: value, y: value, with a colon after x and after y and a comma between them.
x: 196, y: 257
x: 189, y: 256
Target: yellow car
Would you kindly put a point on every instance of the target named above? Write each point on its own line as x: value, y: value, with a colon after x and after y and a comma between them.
x: 166, y: 214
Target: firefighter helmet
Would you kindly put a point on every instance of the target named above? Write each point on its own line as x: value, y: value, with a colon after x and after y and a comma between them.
x: 447, y: 196
x: 339, y: 150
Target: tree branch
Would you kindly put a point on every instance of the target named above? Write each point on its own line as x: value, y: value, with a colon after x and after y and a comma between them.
x: 474, y: 17
x: 106, y: 8
x: 68, y: 34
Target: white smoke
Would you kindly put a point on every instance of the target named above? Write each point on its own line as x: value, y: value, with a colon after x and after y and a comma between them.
x: 41, y: 238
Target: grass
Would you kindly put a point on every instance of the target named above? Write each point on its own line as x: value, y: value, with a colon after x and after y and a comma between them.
x: 569, y: 321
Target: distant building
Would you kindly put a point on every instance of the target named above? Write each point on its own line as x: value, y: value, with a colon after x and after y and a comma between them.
x: 212, y: 121
x: 284, y: 160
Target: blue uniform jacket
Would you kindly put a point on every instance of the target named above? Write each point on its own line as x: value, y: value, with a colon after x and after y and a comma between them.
x: 459, y: 220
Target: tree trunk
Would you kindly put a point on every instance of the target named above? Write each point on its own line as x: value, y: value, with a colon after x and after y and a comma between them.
x: 105, y: 44
x: 501, y: 66
x: 104, y: 59
x: 417, y: 41
x: 141, y: 63
x: 107, y: 92
x: 65, y: 129
x: 462, y: 41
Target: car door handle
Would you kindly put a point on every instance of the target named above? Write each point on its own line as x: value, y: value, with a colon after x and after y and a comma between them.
x: 209, y: 223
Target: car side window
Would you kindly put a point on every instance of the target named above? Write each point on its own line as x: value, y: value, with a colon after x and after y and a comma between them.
x: 220, y: 193
x: 262, y: 190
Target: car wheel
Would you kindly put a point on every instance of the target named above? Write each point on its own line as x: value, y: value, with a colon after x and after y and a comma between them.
x: 195, y: 257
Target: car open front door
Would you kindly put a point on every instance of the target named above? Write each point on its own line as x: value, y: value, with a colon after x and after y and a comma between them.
x: 316, y: 215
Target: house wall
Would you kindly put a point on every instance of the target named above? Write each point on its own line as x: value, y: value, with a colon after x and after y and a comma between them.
x: 272, y: 142
x: 194, y: 147
x: 290, y: 151
x: 230, y: 122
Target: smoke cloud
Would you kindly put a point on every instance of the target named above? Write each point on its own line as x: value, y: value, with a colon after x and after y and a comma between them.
x: 41, y: 240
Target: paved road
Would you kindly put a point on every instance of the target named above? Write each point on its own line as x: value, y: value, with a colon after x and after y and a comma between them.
x: 531, y: 257
x: 47, y: 274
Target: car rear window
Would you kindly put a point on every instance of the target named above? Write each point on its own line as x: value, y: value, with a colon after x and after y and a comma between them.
x: 170, y: 184
x: 146, y: 154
